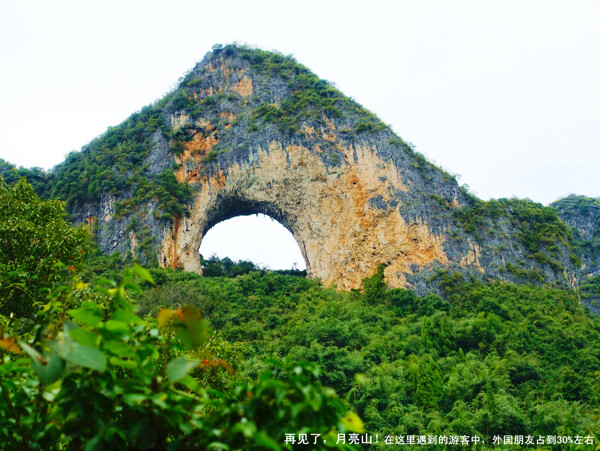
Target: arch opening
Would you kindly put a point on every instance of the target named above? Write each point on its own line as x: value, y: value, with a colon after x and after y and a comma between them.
x: 241, y: 234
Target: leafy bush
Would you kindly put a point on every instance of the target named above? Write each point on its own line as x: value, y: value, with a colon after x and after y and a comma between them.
x: 108, y: 379
x: 35, y: 239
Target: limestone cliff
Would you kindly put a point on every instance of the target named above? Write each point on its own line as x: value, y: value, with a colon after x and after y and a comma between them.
x: 582, y: 214
x: 249, y: 131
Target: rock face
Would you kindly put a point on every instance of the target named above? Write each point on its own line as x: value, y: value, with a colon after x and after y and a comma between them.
x: 582, y: 214
x: 249, y: 132
x: 340, y: 216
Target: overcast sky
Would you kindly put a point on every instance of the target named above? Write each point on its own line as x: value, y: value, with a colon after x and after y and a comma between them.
x: 504, y: 93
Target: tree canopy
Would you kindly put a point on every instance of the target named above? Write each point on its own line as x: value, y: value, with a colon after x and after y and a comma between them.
x: 35, y: 239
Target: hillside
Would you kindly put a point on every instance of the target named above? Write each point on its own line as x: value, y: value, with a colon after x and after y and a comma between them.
x: 493, y: 359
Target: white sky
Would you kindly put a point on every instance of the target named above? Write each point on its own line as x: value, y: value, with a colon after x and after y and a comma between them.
x: 504, y: 93
x: 256, y: 238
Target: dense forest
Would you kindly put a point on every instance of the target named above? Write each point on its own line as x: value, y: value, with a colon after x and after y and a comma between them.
x: 98, y: 354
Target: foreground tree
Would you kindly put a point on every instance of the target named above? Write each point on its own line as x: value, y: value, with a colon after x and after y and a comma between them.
x: 35, y: 239
x: 99, y: 377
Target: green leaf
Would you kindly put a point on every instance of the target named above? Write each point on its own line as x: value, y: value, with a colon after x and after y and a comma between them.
x: 88, y: 313
x: 131, y: 286
x: 352, y: 423
x: 50, y: 371
x: 93, y: 444
x: 69, y: 326
x: 15, y: 366
x: 33, y: 353
x: 143, y: 273
x: 248, y: 428
x: 85, y: 356
x: 177, y: 369
x: 134, y: 399
x: 218, y: 445
x: 127, y: 317
x: 265, y: 441
x: 84, y: 337
x: 114, y: 330
x: 119, y: 349
x: 191, y: 384
x: 48, y: 367
x: 190, y: 328
x: 116, y: 361
x: 360, y: 379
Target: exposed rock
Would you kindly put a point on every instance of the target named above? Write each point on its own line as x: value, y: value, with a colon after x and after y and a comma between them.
x: 341, y: 236
x: 582, y: 214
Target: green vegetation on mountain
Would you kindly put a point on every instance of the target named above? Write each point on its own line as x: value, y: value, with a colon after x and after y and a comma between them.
x: 104, y: 378
x: 37, y: 177
x: 116, y: 163
x: 490, y: 359
x: 487, y: 359
x: 311, y: 98
x: 216, y: 267
x: 583, y: 215
x: 540, y: 231
x: 127, y: 174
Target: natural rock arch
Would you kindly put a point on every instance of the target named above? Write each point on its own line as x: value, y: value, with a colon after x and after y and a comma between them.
x: 343, y: 219
x: 231, y: 207
x: 256, y: 238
